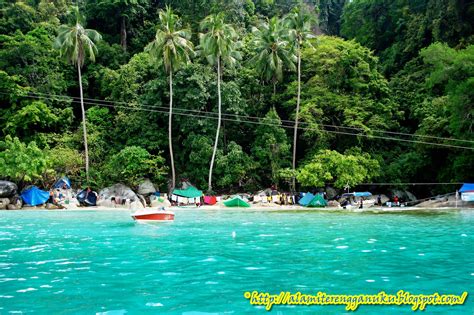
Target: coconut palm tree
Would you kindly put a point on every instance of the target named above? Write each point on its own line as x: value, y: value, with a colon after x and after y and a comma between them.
x: 172, y: 47
x: 75, y: 43
x: 273, y: 51
x: 219, y: 45
x: 299, y: 23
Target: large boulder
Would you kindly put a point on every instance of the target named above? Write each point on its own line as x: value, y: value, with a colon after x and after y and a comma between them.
x: 402, y: 195
x: 331, y: 192
x: 146, y: 188
x: 123, y: 196
x: 7, y: 189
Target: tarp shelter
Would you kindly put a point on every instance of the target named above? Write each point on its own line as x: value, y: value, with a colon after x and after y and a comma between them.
x: 34, y: 196
x: 362, y: 194
x: 190, y: 192
x: 210, y: 200
x: 236, y: 202
x: 467, y: 192
x: 63, y: 182
x: 88, y: 198
x: 318, y: 201
x: 306, y: 199
x: 467, y: 188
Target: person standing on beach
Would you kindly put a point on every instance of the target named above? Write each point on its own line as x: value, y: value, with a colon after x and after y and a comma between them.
x: 395, y: 200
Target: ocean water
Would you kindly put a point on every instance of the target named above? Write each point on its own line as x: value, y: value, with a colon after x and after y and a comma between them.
x: 88, y: 262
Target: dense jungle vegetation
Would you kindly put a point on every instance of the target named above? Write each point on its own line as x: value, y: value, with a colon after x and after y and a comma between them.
x: 386, y: 92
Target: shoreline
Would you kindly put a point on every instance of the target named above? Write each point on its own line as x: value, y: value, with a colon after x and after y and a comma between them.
x: 262, y: 209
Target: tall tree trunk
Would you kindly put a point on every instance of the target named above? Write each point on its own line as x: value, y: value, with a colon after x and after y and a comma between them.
x: 295, y: 134
x: 170, y: 116
x: 84, y: 128
x: 218, y: 122
x: 123, y: 34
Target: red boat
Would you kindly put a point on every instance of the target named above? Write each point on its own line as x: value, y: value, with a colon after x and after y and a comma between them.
x: 153, y: 216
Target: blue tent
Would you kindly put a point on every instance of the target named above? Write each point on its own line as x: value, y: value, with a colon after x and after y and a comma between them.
x: 87, y: 198
x: 362, y: 194
x: 34, y: 196
x: 61, y: 182
x: 466, y: 188
x: 306, y: 199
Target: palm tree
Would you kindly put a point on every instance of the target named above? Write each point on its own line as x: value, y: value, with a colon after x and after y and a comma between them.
x: 273, y: 51
x: 75, y: 43
x: 299, y: 22
x: 171, y: 46
x: 219, y: 45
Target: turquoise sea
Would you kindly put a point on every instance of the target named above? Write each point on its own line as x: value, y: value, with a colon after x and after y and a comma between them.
x: 88, y: 262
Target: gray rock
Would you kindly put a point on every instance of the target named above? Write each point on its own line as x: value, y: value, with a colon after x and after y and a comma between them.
x: 331, y: 192
x: 146, y: 188
x: 4, y: 202
x: 7, y: 189
x: 402, y: 195
x: 117, y: 190
x: 13, y: 207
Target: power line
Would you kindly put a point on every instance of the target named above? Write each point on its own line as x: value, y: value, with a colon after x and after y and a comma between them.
x: 267, y: 124
x: 260, y: 118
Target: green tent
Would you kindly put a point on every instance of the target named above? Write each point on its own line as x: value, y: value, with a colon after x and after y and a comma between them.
x: 317, y: 201
x: 190, y: 192
x: 236, y: 202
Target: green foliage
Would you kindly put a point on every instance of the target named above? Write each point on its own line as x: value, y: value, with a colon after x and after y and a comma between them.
x: 453, y: 70
x: 235, y: 168
x: 65, y: 161
x: 271, y: 148
x: 23, y: 163
x: 220, y: 41
x: 34, y: 117
x: 32, y: 60
x: 75, y: 42
x: 171, y: 45
x: 331, y: 167
x: 398, y: 29
x: 273, y: 52
x: 133, y: 164
x: 342, y: 86
x: 330, y: 12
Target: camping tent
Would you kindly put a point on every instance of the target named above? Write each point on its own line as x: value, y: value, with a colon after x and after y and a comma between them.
x: 210, y: 200
x: 189, y: 195
x: 236, y: 202
x: 61, y: 182
x: 190, y: 192
x: 90, y: 199
x: 34, y: 196
x: 306, y: 199
x: 467, y: 192
x: 362, y: 194
x: 467, y: 188
x: 317, y: 201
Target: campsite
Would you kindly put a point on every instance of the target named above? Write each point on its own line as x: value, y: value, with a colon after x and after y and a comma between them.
x: 236, y: 157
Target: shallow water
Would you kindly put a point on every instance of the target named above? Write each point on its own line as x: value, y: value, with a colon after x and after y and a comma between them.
x: 103, y: 262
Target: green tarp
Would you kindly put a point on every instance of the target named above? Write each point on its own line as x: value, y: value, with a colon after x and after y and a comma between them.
x: 190, y: 192
x: 318, y: 201
x: 236, y: 202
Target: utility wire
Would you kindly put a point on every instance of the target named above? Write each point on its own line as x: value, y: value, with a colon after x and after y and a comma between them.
x: 268, y: 124
x: 260, y: 118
